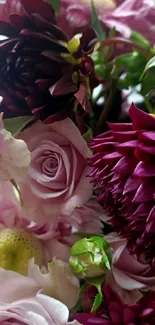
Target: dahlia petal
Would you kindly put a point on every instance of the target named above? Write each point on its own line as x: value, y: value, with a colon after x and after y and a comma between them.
x: 142, y: 210
x: 17, y: 21
x: 81, y: 96
x: 131, y: 185
x: 124, y: 136
x: 144, y: 170
x: 144, y: 192
x: 125, y: 166
x: 125, y: 147
x: 101, y: 147
x: 43, y: 8
x: 64, y: 86
x: 147, y: 149
x: 147, y: 137
x: 151, y: 215
x: 120, y: 126
x: 140, y: 119
x: 8, y: 30
x: 111, y: 158
x: 56, y: 31
x: 88, y: 40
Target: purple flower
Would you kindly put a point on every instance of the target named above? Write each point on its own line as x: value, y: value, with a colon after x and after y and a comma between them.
x: 123, y: 168
x: 41, y: 72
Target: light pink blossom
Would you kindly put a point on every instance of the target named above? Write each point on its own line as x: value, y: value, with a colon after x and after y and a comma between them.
x: 49, y: 239
x: 14, y: 156
x: 21, y: 303
x: 127, y: 272
x: 87, y: 219
x: 56, y: 183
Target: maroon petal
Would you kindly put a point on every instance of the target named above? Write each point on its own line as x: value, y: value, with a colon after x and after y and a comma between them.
x: 120, y: 126
x: 131, y: 184
x: 144, y: 192
x: 124, y: 136
x: 125, y: 147
x: 88, y: 40
x: 64, y: 86
x: 144, y: 170
x: 7, y: 29
x: 81, y: 96
x: 110, y: 159
x: 147, y: 137
x: 140, y: 119
x: 39, y: 6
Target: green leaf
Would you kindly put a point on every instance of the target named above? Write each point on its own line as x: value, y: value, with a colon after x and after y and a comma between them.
x: 97, y: 302
x: 149, y: 65
x: 55, y: 4
x: 140, y: 39
x: 96, y: 23
x: 132, y: 62
x: 16, y: 124
x: 148, y: 83
x: 88, y: 135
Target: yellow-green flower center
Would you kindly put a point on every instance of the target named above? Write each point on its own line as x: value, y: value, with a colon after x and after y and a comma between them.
x: 17, y: 246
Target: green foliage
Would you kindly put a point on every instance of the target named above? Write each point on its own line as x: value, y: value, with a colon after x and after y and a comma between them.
x: 55, y: 4
x: 16, y: 124
x: 140, y: 39
x: 148, y: 66
x: 96, y: 23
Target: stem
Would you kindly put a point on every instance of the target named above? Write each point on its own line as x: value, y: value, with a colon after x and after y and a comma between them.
x: 121, y: 40
x: 107, y: 108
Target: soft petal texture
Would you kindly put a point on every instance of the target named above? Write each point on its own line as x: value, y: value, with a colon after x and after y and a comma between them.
x: 56, y: 183
x: 125, y: 16
x: 51, y: 237
x: 87, y: 219
x: 128, y: 272
x: 58, y: 282
x: 39, y: 309
x: 14, y: 156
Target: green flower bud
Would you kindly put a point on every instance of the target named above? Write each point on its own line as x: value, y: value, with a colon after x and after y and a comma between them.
x: 90, y: 257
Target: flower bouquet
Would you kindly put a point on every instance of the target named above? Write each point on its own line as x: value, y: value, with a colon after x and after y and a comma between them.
x: 77, y: 162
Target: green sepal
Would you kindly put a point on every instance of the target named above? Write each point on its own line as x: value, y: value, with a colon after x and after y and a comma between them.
x: 97, y: 283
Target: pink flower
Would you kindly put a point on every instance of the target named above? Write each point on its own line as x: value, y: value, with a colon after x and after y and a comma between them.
x: 124, y: 15
x: 87, y: 219
x: 23, y: 239
x: 56, y: 183
x: 21, y: 303
x: 129, y: 273
x: 131, y: 15
x: 14, y: 156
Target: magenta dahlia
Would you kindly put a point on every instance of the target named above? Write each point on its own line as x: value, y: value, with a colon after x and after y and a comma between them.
x: 123, y: 168
x: 41, y: 71
x: 115, y: 312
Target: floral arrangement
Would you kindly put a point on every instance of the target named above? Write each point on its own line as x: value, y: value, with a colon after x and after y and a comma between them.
x: 77, y: 162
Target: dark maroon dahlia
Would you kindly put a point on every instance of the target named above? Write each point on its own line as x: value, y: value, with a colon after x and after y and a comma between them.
x: 41, y: 71
x: 123, y: 168
x: 115, y: 312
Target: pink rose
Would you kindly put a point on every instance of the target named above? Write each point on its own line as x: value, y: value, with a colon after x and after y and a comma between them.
x: 129, y: 273
x: 56, y: 182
